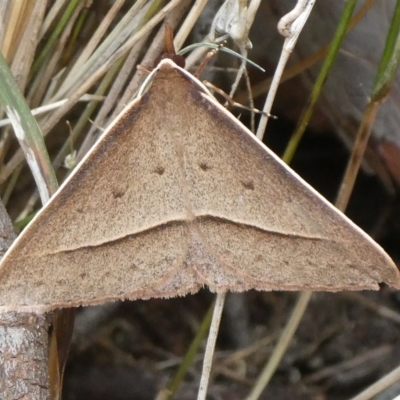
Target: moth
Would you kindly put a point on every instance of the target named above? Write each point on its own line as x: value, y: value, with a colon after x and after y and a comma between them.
x: 177, y: 195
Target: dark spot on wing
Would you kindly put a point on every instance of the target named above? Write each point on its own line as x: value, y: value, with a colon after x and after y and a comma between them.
x: 249, y: 185
x: 259, y: 258
x: 159, y: 170
x: 204, y: 166
x: 117, y: 193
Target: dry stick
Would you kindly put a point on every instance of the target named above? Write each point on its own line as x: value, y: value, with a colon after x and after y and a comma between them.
x: 11, y: 29
x: 285, y: 23
x: 92, y: 135
x: 50, y: 17
x: 212, y: 338
x: 379, y: 386
x: 290, y: 41
x: 25, y: 53
x: 354, y: 163
x: 96, y: 38
x: 251, y: 101
x: 104, y: 50
x: 189, y: 22
x: 53, y: 106
x: 104, y: 117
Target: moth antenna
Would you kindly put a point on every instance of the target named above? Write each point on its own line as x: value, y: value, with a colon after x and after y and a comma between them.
x: 169, y: 49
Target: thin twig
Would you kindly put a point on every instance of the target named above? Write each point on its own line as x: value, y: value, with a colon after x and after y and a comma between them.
x: 293, y: 31
x: 212, y: 338
x: 379, y: 386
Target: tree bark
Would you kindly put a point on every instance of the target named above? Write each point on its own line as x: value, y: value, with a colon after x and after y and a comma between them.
x: 23, y: 342
x: 24, y: 356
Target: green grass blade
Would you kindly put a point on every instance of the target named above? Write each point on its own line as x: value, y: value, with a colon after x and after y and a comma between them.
x: 27, y: 132
x: 390, y: 59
